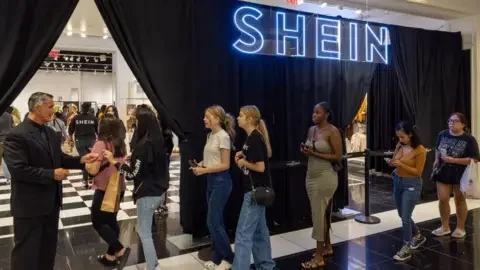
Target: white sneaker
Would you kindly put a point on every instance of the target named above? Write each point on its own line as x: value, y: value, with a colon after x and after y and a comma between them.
x: 224, y: 265
x: 210, y: 265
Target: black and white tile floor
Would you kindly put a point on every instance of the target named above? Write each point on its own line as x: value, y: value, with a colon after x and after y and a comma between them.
x: 356, y: 246
x: 77, y: 200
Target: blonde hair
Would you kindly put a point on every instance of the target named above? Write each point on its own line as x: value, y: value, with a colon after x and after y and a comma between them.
x: 227, y: 121
x: 253, y: 112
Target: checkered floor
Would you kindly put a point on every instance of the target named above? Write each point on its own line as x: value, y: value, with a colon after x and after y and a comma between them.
x: 77, y: 200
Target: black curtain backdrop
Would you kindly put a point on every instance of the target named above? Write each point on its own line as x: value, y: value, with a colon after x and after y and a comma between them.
x: 181, y: 52
x: 28, y: 31
x: 430, y: 71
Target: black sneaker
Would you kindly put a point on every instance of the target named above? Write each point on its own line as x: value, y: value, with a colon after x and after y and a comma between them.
x: 417, y: 241
x: 403, y: 255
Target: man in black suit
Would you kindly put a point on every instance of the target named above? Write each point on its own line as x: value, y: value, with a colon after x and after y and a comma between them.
x: 37, y: 167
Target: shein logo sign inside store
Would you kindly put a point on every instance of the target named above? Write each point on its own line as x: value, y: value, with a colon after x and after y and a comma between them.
x: 304, y: 36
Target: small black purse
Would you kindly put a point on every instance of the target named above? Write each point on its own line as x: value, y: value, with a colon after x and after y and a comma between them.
x: 263, y: 195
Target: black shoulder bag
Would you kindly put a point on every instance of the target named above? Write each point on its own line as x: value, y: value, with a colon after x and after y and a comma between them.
x: 263, y: 195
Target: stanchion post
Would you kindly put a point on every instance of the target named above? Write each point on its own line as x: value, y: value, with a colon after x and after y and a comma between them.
x: 366, y: 218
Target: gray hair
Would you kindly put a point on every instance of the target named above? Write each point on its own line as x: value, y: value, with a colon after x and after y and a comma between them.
x: 37, y: 98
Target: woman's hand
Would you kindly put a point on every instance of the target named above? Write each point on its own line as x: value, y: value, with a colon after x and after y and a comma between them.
x: 307, y: 151
x: 109, y: 157
x: 448, y: 159
x: 199, y: 170
x: 239, y: 155
x: 241, y: 163
x: 396, y: 163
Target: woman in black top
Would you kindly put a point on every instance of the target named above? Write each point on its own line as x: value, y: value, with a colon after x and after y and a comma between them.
x: 252, y: 231
x: 454, y: 151
x: 148, y: 169
x: 114, y: 111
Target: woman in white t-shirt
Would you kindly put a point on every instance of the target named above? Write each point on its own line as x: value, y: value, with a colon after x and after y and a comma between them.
x: 215, y: 164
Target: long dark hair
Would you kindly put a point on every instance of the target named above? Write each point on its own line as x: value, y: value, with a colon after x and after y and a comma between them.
x: 148, y: 127
x: 410, y: 130
x: 109, y: 132
x: 115, y: 111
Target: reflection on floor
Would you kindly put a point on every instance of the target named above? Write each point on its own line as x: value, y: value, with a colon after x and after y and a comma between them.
x: 357, y: 246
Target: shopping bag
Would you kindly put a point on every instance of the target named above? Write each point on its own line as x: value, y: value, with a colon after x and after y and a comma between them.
x: 469, y: 184
x: 111, y: 200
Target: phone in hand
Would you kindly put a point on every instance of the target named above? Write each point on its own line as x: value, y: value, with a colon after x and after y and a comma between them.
x: 388, y: 160
x: 443, y: 152
x: 302, y: 145
x: 193, y: 163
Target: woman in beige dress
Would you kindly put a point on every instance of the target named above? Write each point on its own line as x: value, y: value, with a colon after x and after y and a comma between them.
x: 323, y: 147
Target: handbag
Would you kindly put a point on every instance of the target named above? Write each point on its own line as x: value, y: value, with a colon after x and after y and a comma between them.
x: 111, y: 199
x: 469, y: 184
x: 263, y: 195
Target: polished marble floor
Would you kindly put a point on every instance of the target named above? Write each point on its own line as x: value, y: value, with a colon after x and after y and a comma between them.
x: 357, y: 246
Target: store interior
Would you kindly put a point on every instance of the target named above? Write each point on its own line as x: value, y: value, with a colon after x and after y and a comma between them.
x: 99, y: 58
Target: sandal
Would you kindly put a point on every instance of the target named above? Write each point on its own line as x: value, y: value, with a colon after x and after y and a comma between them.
x: 325, y: 254
x: 312, y: 264
x: 122, y: 260
x: 103, y: 260
x: 457, y: 234
x: 440, y: 232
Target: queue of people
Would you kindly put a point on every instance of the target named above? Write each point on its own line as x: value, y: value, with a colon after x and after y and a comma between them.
x: 37, y: 165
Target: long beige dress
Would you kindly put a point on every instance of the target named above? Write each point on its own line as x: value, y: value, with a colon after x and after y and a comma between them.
x: 321, y: 184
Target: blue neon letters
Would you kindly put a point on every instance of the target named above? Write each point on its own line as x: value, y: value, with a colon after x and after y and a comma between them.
x: 299, y: 35
x: 328, y: 42
x: 284, y: 33
x: 255, y: 40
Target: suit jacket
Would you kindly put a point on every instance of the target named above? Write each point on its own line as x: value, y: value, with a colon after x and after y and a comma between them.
x: 32, y: 161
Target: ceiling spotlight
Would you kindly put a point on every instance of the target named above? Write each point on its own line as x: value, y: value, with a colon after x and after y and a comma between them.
x: 105, y: 36
x: 95, y: 59
x: 105, y: 30
x: 65, y: 57
x: 95, y: 72
x: 83, y: 35
x: 358, y: 11
x: 324, y: 4
x: 71, y: 58
x: 69, y: 33
x: 87, y: 59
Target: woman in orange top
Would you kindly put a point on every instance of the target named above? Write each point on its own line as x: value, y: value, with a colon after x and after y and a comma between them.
x: 409, y: 160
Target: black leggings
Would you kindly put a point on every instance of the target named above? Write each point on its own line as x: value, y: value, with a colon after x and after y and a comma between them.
x: 106, y: 224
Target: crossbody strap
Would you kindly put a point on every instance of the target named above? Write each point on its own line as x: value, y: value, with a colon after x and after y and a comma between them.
x: 267, y: 161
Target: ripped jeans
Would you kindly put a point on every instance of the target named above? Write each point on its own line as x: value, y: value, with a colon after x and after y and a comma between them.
x: 406, y: 192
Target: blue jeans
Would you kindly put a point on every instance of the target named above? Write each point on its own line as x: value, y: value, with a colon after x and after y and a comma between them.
x: 219, y: 187
x: 406, y: 192
x: 146, y: 207
x: 252, y: 237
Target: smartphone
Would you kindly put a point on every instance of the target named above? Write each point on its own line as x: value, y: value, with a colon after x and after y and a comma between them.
x: 443, y: 152
x: 193, y: 164
x: 387, y: 160
x: 302, y: 145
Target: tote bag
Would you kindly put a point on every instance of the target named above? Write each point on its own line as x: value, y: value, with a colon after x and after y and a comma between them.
x: 469, y: 184
x: 111, y: 200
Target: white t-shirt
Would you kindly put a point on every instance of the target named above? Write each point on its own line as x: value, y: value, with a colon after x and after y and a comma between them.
x: 215, y: 141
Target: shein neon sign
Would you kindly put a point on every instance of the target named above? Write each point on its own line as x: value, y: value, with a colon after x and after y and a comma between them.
x: 328, y: 33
